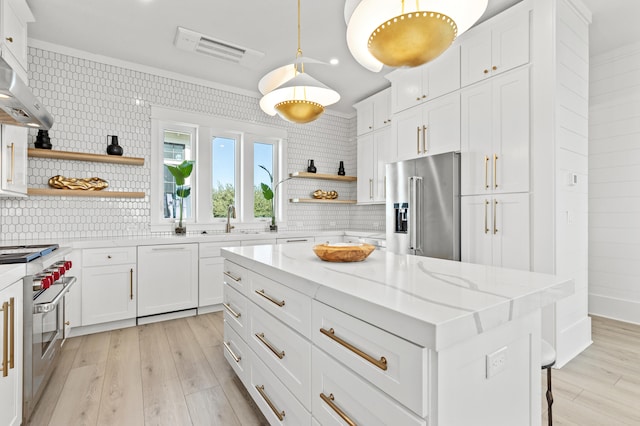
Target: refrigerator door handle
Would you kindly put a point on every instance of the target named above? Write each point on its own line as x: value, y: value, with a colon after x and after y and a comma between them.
x: 414, y: 213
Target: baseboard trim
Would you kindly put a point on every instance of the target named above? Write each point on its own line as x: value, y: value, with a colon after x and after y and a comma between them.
x: 209, y: 309
x: 617, y: 309
x: 572, y: 341
x: 168, y: 316
x: 99, y: 328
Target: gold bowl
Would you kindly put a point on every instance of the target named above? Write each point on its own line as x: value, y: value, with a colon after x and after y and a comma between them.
x: 343, y: 252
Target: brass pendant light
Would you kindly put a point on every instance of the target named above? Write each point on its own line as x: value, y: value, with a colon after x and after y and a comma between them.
x: 292, y: 93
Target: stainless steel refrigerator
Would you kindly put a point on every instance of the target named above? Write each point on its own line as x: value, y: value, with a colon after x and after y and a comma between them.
x: 423, y: 206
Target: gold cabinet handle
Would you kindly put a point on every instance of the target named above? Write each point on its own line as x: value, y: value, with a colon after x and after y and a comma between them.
x: 381, y: 363
x: 486, y: 207
x: 67, y: 323
x: 12, y: 147
x: 418, y: 140
x: 495, y: 170
x: 371, y: 189
x: 5, y: 339
x: 236, y: 279
x: 270, y: 299
x: 276, y: 352
x: 131, y: 283
x: 278, y: 413
x: 495, y: 207
x: 486, y: 172
x: 235, y: 357
x: 9, y: 39
x: 231, y: 311
x: 486, y: 71
x: 12, y: 332
x: 329, y: 400
x: 424, y: 139
x: 494, y: 67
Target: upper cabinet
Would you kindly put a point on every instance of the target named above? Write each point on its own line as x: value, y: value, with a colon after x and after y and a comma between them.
x: 413, y: 86
x: 494, y: 50
x: 373, y: 113
x: 14, y: 16
x: 13, y: 161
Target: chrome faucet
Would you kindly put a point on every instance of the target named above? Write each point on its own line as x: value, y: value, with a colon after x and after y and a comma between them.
x: 231, y: 212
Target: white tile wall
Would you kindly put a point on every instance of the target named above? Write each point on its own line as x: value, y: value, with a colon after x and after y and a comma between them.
x: 90, y: 100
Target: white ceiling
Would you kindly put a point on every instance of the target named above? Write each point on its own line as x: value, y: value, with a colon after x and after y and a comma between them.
x: 143, y: 31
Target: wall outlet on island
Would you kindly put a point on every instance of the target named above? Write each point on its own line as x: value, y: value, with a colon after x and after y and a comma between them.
x: 496, y: 362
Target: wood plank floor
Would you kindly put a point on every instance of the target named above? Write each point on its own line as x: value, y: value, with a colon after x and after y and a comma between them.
x: 174, y: 373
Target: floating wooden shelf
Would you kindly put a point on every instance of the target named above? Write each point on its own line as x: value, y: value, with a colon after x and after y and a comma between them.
x: 81, y: 193
x: 81, y: 156
x: 322, y: 176
x: 321, y: 201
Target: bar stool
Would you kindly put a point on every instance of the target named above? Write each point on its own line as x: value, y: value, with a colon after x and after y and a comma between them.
x: 547, y: 359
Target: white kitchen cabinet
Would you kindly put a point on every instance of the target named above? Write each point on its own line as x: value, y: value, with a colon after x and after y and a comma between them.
x: 211, y: 267
x: 428, y: 129
x: 11, y: 354
x: 13, y: 161
x: 167, y: 278
x: 294, y: 240
x: 374, y: 112
x: 109, y: 286
x: 413, y: 86
x: 495, y: 135
x: 374, y: 152
x: 495, y: 230
x: 496, y: 49
x: 14, y: 16
x: 258, y: 242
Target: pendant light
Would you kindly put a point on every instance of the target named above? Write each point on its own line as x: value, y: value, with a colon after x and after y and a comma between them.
x: 292, y: 93
x: 409, y: 33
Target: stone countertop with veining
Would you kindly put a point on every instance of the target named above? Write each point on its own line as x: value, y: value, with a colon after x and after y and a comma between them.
x: 432, y: 302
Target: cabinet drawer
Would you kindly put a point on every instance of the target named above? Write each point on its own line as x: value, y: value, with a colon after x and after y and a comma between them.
x: 108, y: 256
x: 235, y: 311
x: 235, y: 276
x: 289, y: 306
x: 236, y: 352
x: 295, y: 240
x: 336, y: 391
x: 213, y: 249
x: 273, y: 397
x: 399, y: 368
x: 285, y: 352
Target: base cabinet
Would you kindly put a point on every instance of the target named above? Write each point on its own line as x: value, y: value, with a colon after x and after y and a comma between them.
x: 11, y: 356
x: 210, y: 272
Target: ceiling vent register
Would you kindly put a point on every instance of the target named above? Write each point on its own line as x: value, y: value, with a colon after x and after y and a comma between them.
x: 193, y: 41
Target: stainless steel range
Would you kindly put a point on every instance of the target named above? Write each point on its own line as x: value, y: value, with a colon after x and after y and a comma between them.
x: 46, y: 283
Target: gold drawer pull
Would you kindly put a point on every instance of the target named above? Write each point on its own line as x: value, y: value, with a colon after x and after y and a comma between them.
x: 270, y: 299
x: 5, y: 339
x: 329, y: 400
x: 381, y: 363
x: 236, y: 279
x: 235, y: 357
x: 276, y: 352
x: 279, y: 414
x: 231, y: 311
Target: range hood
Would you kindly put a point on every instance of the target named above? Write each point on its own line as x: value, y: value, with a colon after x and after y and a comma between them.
x: 18, y: 106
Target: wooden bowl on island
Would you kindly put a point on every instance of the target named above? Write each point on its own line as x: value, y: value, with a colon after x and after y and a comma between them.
x: 343, y: 252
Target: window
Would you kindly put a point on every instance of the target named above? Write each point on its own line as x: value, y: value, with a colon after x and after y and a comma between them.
x: 228, y: 157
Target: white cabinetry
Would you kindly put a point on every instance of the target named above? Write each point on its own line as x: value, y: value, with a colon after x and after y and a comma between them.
x: 13, y: 161
x: 375, y: 150
x: 294, y: 240
x: 373, y: 113
x: 495, y: 49
x: 211, y: 267
x: 108, y: 285
x: 495, y: 135
x: 167, y: 278
x: 14, y: 15
x: 414, y: 86
x: 428, y: 129
x: 495, y: 230
x: 11, y: 353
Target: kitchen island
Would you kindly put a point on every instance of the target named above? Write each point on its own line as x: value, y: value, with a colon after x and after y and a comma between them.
x: 395, y: 339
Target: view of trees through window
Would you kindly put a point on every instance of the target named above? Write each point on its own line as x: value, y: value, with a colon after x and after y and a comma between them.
x: 177, y: 148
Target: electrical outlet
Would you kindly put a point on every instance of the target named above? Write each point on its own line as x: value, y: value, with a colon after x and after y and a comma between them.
x: 496, y: 362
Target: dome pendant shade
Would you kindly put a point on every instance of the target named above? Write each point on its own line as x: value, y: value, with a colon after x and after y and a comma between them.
x: 299, y: 111
x: 412, y: 39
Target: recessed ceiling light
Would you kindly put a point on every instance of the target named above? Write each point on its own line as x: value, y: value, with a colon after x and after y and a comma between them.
x: 334, y: 61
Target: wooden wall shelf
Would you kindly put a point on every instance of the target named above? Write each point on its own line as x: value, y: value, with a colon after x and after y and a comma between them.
x: 320, y: 201
x: 80, y: 193
x: 81, y: 156
x: 308, y: 175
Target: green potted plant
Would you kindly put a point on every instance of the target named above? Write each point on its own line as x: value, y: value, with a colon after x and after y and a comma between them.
x: 269, y: 194
x: 181, y: 172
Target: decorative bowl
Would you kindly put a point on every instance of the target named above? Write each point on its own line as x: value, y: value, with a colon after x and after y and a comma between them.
x: 343, y: 252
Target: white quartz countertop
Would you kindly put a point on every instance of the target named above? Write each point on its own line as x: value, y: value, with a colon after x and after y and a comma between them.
x: 431, y: 302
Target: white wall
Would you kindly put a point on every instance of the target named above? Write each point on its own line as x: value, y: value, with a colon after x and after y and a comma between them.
x: 91, y: 98
x: 614, y: 189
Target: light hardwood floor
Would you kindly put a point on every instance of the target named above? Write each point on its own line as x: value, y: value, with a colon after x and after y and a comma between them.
x: 174, y: 373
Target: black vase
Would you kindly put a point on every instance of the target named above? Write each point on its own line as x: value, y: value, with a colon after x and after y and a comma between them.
x: 113, y: 148
x: 312, y: 167
x: 43, y: 141
x: 341, y: 169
